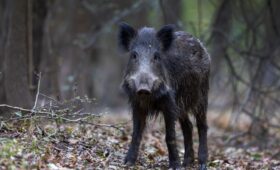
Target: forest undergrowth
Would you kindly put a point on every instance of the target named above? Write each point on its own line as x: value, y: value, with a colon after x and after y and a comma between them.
x: 30, y: 141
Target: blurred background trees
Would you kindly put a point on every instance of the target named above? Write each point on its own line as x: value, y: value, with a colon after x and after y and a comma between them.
x: 71, y: 47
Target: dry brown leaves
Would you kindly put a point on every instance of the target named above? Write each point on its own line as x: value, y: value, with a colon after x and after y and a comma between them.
x: 75, y: 146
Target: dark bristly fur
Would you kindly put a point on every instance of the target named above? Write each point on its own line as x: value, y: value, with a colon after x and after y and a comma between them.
x: 168, y: 73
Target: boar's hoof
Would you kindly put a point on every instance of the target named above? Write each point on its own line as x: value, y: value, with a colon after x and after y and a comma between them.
x: 188, y: 162
x: 175, y: 165
x: 129, y: 162
x: 202, y: 167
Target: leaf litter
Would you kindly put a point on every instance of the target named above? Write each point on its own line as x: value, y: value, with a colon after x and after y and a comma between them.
x: 52, y: 145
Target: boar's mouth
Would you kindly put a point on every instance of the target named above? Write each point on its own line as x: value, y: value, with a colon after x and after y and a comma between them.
x: 143, y: 92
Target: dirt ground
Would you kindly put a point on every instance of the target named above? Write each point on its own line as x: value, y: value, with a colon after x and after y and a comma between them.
x: 33, y: 144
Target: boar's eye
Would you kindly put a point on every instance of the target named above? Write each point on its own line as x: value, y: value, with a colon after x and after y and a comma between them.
x: 134, y: 55
x: 156, y: 56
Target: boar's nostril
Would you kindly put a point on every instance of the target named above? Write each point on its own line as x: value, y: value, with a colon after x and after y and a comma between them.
x: 141, y: 92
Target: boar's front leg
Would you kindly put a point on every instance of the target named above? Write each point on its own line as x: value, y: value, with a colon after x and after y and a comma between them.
x: 170, y: 115
x: 139, y: 121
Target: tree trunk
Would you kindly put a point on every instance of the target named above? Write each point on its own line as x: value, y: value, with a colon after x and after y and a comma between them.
x: 16, y: 53
x: 39, y: 12
x: 219, y: 37
x: 170, y: 16
x: 2, y: 42
x: 49, y: 59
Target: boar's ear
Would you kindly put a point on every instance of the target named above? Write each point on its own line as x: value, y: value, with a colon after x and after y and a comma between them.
x: 126, y: 34
x: 165, y: 35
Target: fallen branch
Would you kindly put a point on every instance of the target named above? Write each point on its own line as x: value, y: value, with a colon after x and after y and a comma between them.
x: 51, y: 115
x: 235, y: 137
x: 22, y: 109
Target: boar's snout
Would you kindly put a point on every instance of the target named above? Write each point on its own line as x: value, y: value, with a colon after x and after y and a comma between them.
x: 144, y: 83
x: 143, y: 90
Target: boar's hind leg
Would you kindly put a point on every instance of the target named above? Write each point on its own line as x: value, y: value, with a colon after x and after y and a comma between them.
x: 187, y: 128
x: 139, y: 122
x: 201, y: 121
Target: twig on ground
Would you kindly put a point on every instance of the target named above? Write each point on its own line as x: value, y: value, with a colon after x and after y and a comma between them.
x: 234, y: 137
x: 50, y: 98
x: 22, y: 109
x: 52, y: 115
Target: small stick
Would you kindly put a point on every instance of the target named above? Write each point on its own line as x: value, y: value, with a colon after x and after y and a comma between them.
x: 22, y: 109
x: 37, y: 94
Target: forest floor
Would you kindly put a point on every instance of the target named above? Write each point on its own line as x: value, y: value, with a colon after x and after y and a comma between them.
x: 35, y: 144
